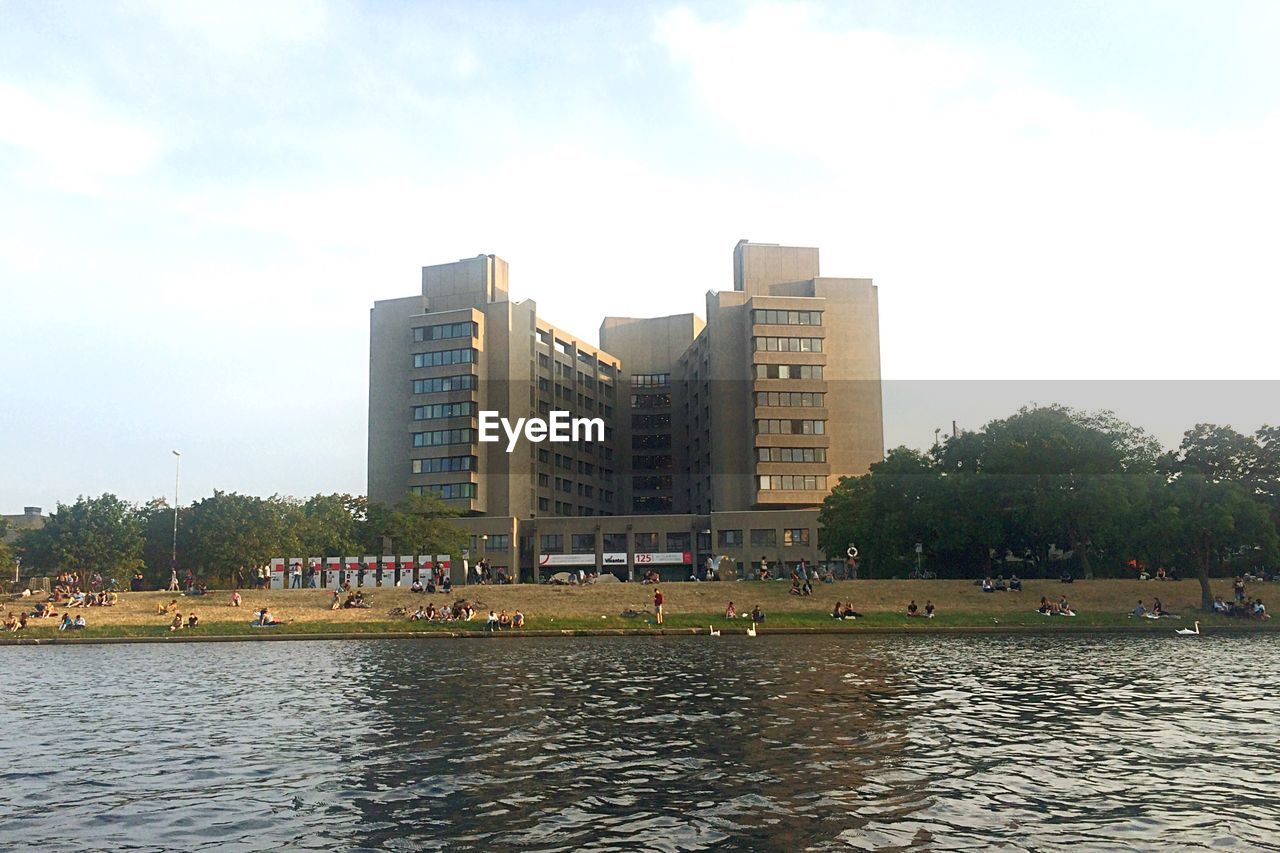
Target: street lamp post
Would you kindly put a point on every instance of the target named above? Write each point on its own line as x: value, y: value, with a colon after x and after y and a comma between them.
x: 177, y: 471
x: 484, y: 555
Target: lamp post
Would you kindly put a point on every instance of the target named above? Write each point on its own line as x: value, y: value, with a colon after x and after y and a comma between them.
x: 177, y: 471
x: 484, y: 554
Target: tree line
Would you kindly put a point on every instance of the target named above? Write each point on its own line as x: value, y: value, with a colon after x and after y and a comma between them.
x: 220, y: 535
x: 1050, y: 481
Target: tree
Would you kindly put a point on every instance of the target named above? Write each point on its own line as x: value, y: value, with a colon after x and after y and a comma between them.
x: 101, y: 534
x: 419, y: 524
x: 884, y: 512
x: 229, y: 531
x: 1057, y: 477
x: 156, y: 518
x: 1212, y: 523
x: 331, y: 524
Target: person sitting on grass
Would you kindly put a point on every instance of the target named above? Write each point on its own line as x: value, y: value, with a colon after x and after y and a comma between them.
x: 266, y: 619
x: 757, y: 615
x: 176, y: 623
x: 1000, y: 584
x: 1260, y: 610
x: 928, y: 609
x: 731, y: 612
x: 418, y: 615
x: 912, y: 609
x: 1064, y: 609
x: 837, y: 612
x: 44, y: 610
x: 517, y: 620
x: 1140, y: 609
x: 235, y: 599
x: 795, y: 584
x: 66, y: 622
x: 504, y: 620
x: 166, y: 609
x: 1045, y: 607
x: 987, y: 586
x: 80, y: 622
x: 10, y: 622
x: 492, y: 623
x: 1015, y: 584
x: 846, y: 611
x: 431, y: 611
x: 1219, y: 606
x: 416, y: 586
x: 446, y: 585
x: 193, y: 620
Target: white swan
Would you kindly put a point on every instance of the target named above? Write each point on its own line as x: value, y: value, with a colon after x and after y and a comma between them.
x: 751, y: 630
x: 713, y: 631
x: 1187, y: 632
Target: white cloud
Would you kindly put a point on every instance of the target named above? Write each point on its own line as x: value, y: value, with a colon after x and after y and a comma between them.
x: 71, y: 142
x: 242, y: 26
x: 999, y: 216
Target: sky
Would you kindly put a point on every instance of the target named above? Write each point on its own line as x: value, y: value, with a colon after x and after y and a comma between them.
x: 199, y: 203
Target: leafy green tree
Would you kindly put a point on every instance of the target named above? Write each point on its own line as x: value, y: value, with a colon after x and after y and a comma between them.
x: 1213, y: 523
x: 230, y: 531
x: 330, y: 525
x: 419, y: 524
x: 101, y: 534
x: 884, y: 512
x: 156, y: 518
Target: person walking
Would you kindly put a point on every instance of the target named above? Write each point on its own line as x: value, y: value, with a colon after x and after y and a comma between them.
x: 657, y: 605
x: 173, y: 579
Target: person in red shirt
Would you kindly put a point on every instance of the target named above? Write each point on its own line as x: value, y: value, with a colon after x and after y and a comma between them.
x: 657, y: 606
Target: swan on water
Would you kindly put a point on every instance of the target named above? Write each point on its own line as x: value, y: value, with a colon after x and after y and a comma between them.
x: 751, y: 630
x: 1188, y: 632
x: 713, y: 631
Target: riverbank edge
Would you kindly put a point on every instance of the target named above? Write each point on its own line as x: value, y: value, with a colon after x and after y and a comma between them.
x: 950, y: 630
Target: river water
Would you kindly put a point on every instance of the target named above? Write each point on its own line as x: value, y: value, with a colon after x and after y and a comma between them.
x: 691, y: 743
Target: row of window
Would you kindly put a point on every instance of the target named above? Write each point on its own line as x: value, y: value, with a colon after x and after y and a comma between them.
x: 791, y: 536
x: 495, y: 542
x: 790, y: 398
x: 613, y: 543
x: 793, y: 482
x: 444, y: 331
x: 566, y: 508
x: 442, y: 410
x: 443, y: 357
x: 441, y: 464
x: 650, y: 463
x: 792, y: 454
x: 447, y: 491
x: 650, y: 380
x: 762, y: 344
x: 650, y: 401
x: 788, y: 371
x: 770, y: 317
x: 651, y: 421
x: 438, y: 384
x: 651, y: 483
x: 644, y: 441
x: 774, y: 426
x: 437, y: 437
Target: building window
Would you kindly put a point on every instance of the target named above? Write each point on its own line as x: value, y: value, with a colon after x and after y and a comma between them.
x: 658, y: 441
x: 789, y: 398
x: 552, y: 543
x: 498, y: 542
x: 788, y: 371
x: 679, y: 542
x: 770, y: 317
x: 445, y: 331
x: 771, y: 426
x: 764, y: 538
x: 544, y: 505
x: 582, y: 543
x: 729, y: 538
x: 441, y: 464
x: 651, y: 422
x: 650, y: 380
x: 615, y: 543
x: 793, y: 482
x: 441, y: 410
x: 447, y: 491
x: 646, y: 542
x: 464, y: 382
x: 795, y: 536
x: 544, y: 480
x: 650, y: 401
x: 769, y: 344
x: 443, y: 436
x: 442, y: 357
x: 792, y: 454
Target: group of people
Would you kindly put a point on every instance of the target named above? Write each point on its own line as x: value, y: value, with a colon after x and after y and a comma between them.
x: 1156, y: 611
x: 14, y: 624
x: 999, y: 585
x: 756, y: 614
x: 914, y: 610
x: 484, y: 573
x: 1251, y: 608
x: 354, y: 599
x: 458, y: 611
x: 503, y: 621
x: 176, y: 620
x: 1055, y: 608
x: 446, y: 585
x: 846, y: 611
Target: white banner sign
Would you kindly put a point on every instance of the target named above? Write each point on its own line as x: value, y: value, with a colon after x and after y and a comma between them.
x: 649, y: 558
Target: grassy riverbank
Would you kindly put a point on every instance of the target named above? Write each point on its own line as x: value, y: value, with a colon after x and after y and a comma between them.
x: 1102, y: 605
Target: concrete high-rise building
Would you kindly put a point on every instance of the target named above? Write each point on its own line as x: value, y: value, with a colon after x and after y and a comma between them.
x: 744, y: 420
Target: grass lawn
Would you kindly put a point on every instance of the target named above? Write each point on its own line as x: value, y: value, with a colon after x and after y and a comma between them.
x: 1101, y: 604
